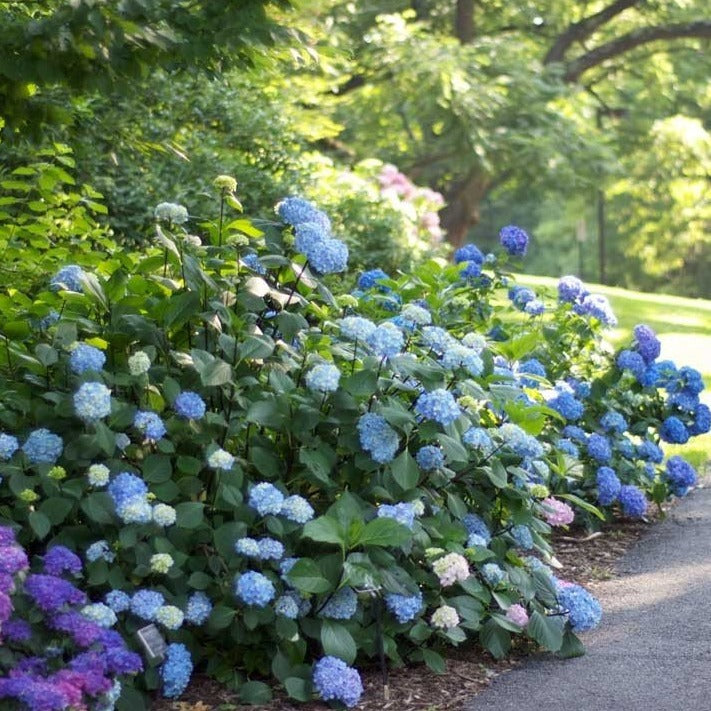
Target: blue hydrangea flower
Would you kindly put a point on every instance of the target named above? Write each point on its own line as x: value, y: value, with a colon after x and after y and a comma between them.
x: 532, y: 366
x: 198, y: 608
x: 581, y: 388
x: 471, y: 270
x: 8, y: 446
x: 514, y: 240
x: 437, y: 339
x: 92, y: 401
x: 251, y: 261
x: 287, y: 606
x: 598, y: 307
x: 296, y: 508
x: 85, y: 358
x: 118, y: 600
x: 567, y: 446
x: 568, y: 406
x: 356, y: 328
x: 522, y: 444
x: 176, y: 670
x: 69, y: 277
x: 674, y: 431
x: 570, y: 289
x: 100, y: 549
x: 613, y: 422
x: 403, y: 513
x: 295, y: 210
x: 625, y: 447
x: 130, y: 496
x: 247, y: 547
x: 334, y: 680
x: 145, y: 604
x: 341, y: 605
x: 377, y: 437
x: 700, y: 425
x: 371, y: 279
x: 59, y: 559
x: 458, y: 356
x: 438, y: 405
x: 599, y: 449
x: 474, y: 540
x: 43, y: 447
x: 469, y: 253
x: 266, y: 499
x: 633, y: 500
x: 149, y: 424
x: 632, y: 361
x: 404, y: 607
x: 608, y: 485
x: 681, y: 475
x: 646, y: 343
x: 584, y: 611
x: 189, y: 405
x: 492, y: 573
x: 328, y: 257
x: 688, y: 379
x: 429, y: 458
x: 308, y: 235
x: 521, y: 295
x: 522, y: 536
x: 323, y: 378
x: 270, y: 549
x: 478, y: 438
x: 49, y: 320
x: 650, y: 452
x: 254, y: 588
x: 386, y: 340
x: 577, y: 434
x: 683, y: 400
x: 535, y: 307
x: 476, y: 526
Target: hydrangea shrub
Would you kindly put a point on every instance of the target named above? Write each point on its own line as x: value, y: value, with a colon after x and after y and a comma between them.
x: 288, y: 478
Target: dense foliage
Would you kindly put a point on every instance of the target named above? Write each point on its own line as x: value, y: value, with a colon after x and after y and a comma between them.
x: 288, y: 476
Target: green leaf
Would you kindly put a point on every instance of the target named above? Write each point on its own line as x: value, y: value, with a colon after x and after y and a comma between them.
x: 157, y: 468
x: 325, y: 530
x: 46, y: 354
x: 497, y: 474
x: 405, y: 471
x: 434, y: 661
x: 216, y: 373
x: 255, y: 692
x: 382, y: 532
x: 99, y: 507
x: 256, y: 347
x: 581, y: 503
x: 189, y: 514
x: 547, y: 631
x: 221, y: 617
x: 337, y: 641
x: 199, y: 581
x: 299, y: 689
x: 572, y: 646
x: 105, y: 438
x: 494, y: 638
x: 453, y: 450
x: 307, y: 577
x: 40, y: 524
x: 56, y: 509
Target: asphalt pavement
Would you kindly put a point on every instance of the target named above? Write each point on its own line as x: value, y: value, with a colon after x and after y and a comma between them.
x: 652, y: 651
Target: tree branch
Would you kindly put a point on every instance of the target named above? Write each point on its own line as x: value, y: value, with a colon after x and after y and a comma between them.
x: 579, y: 31
x: 575, y: 68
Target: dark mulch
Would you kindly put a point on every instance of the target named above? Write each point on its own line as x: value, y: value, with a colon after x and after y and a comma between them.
x: 583, y: 558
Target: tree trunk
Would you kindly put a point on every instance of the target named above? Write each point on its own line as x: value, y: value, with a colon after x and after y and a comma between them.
x: 463, y: 202
x: 464, y: 21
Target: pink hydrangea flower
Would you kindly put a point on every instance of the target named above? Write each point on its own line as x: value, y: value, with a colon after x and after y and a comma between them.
x: 518, y: 615
x: 557, y: 513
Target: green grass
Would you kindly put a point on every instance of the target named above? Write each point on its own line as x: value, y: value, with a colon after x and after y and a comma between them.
x: 683, y: 326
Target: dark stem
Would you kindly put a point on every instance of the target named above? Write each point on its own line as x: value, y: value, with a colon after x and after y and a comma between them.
x: 222, y: 214
x: 378, y: 604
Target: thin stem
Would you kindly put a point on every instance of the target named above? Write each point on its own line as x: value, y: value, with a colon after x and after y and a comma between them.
x: 296, y: 283
x: 378, y: 604
x: 222, y: 214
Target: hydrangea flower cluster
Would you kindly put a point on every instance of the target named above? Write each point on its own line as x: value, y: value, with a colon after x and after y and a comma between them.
x: 445, y: 617
x: 556, y: 512
x: 92, y: 401
x: 451, y: 568
x: 149, y: 424
x: 584, y: 611
x: 438, y: 405
x: 356, y: 328
x: 403, y: 513
x: 43, y: 447
x: 342, y: 605
x: 518, y: 615
x: 334, y: 680
x: 429, y: 458
x: 681, y: 475
x: 386, y: 340
x: 323, y: 378
x: 69, y: 277
x: 84, y: 358
x: 608, y: 486
x: 377, y: 437
x: 254, y: 588
x: 514, y: 240
x: 404, y: 607
x: 189, y: 405
x: 633, y: 501
x: 176, y: 670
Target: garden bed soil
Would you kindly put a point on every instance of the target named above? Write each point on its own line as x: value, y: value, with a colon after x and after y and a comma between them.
x: 584, y: 558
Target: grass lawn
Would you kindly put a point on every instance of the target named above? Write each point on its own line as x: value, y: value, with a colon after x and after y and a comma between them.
x: 683, y: 326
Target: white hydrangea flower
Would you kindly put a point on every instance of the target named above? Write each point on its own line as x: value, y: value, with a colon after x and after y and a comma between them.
x: 451, y: 568
x: 98, y: 475
x: 161, y: 563
x: 164, y: 515
x: 445, y: 617
x: 139, y: 363
x: 220, y: 459
x: 170, y: 616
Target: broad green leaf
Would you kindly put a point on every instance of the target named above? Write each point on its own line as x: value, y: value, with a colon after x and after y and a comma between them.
x: 405, y: 471
x: 337, y: 641
x: 325, y: 530
x: 382, y: 532
x: 546, y: 630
